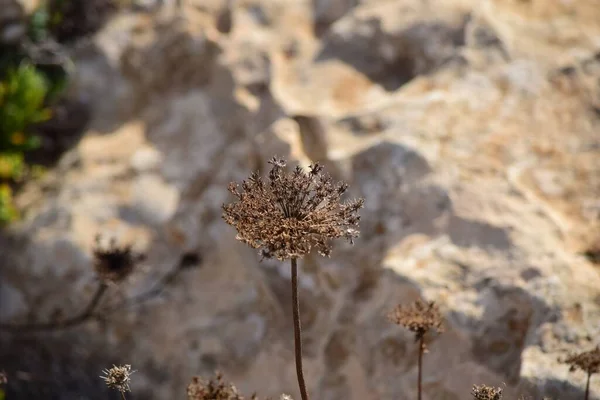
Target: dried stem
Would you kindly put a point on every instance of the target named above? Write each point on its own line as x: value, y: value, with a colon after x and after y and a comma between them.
x: 297, y: 330
x: 154, y: 291
x: 587, y: 386
x: 420, y: 366
x: 80, y: 318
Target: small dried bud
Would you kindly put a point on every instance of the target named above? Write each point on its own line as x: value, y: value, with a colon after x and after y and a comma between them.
x: 114, y: 263
x: 484, y: 392
x: 418, y: 317
x: 291, y: 213
x: 214, y: 389
x: 587, y: 361
x: 3, y: 378
x: 118, y: 377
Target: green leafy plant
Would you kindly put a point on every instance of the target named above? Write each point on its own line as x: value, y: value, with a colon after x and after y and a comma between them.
x: 23, y: 93
x: 22, y: 96
x: 39, y: 22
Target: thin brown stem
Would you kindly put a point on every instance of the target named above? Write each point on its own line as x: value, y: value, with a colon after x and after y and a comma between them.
x: 80, y: 318
x: 587, y: 387
x: 297, y: 330
x: 420, y: 373
x: 154, y: 291
x: 123, y: 395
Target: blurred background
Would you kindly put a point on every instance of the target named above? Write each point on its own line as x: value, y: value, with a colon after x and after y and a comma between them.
x: 470, y: 127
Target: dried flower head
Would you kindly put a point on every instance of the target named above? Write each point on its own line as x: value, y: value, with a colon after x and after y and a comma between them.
x: 118, y: 377
x: 484, y: 392
x: 114, y: 263
x: 588, y: 361
x: 418, y: 317
x: 3, y: 378
x: 214, y: 389
x: 292, y: 212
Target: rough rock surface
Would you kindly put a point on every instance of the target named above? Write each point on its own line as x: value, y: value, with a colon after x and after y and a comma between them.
x: 470, y: 127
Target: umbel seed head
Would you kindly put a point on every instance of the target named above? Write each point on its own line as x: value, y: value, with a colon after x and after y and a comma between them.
x: 290, y: 213
x: 418, y: 317
x: 118, y: 377
x: 215, y: 389
x: 587, y: 361
x: 484, y: 392
x: 114, y: 263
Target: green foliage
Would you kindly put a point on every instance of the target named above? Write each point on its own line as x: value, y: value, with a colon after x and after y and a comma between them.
x: 39, y: 22
x: 22, y: 96
x: 8, y: 211
x: 33, y: 75
x: 23, y: 93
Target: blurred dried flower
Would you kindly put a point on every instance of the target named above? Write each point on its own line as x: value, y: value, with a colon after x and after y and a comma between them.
x: 587, y: 361
x: 118, y: 377
x: 3, y: 378
x: 418, y: 317
x: 214, y: 389
x: 292, y: 212
x: 113, y: 263
x: 484, y: 392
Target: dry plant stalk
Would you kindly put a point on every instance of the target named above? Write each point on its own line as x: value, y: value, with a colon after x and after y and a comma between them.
x: 118, y: 378
x: 484, y: 392
x: 112, y: 265
x: 419, y: 318
x: 587, y: 361
x: 288, y: 216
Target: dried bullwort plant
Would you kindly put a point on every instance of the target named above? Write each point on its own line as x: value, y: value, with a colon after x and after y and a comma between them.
x: 484, y: 392
x: 287, y: 216
x: 112, y: 265
x: 420, y: 318
x: 587, y: 361
x: 214, y: 389
x: 118, y: 378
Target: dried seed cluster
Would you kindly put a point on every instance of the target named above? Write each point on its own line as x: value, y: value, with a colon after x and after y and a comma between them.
x: 418, y: 317
x: 484, y: 392
x: 214, y: 389
x: 113, y: 263
x: 118, y: 377
x: 588, y: 361
x: 292, y: 212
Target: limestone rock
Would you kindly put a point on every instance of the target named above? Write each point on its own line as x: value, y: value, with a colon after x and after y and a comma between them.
x: 470, y: 128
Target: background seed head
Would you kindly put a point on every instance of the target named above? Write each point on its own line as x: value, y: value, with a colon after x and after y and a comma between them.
x: 418, y: 317
x: 587, y: 361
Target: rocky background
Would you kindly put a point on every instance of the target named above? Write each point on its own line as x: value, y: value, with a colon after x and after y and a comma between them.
x: 471, y: 127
